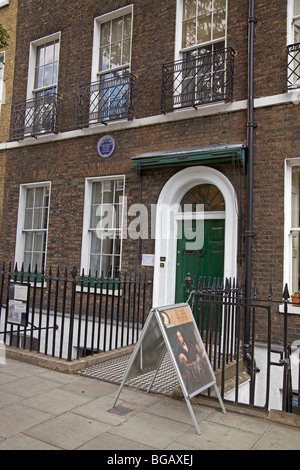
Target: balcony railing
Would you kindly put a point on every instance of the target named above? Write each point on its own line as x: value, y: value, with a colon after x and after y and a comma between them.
x: 293, y: 66
x: 108, y: 99
x: 36, y: 116
x: 198, y: 80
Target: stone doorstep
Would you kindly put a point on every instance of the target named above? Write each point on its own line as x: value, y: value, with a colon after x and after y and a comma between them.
x: 61, y: 365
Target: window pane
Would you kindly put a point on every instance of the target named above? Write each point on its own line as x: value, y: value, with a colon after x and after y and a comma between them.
x: 54, y: 73
x: 37, y: 219
x: 95, y: 218
x: 37, y: 260
x: 95, y: 244
x: 29, y: 197
x: 49, y: 55
x: 116, y: 51
x: 107, y: 247
x: 189, y: 33
x: 104, y: 58
x: 117, y: 245
x: 190, y: 9
x: 126, y: 52
x: 204, y: 6
x: 38, y: 242
x: 295, y: 262
x: 28, y: 219
x: 204, y: 29
x: 56, y: 51
x: 40, y: 56
x: 27, y: 262
x: 39, y: 78
x: 105, y: 34
x: 95, y: 265
x: 96, y: 193
x: 108, y: 195
x: 28, y: 241
x: 39, y: 197
x: 219, y: 24
x: 295, y: 197
x: 106, y: 265
x: 117, y: 28
x: 127, y: 26
x: 47, y: 75
x: 219, y: 4
x: 297, y: 8
x: 297, y: 31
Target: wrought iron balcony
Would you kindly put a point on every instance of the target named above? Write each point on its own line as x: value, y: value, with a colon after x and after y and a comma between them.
x: 293, y: 66
x: 108, y: 99
x: 36, y: 116
x: 197, y: 80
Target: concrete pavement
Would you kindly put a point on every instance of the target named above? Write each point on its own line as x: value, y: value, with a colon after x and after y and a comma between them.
x: 42, y: 409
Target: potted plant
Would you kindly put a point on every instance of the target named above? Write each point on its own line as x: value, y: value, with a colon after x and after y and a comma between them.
x: 296, y: 298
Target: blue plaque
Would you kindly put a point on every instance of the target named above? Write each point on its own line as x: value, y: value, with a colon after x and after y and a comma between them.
x: 106, y: 146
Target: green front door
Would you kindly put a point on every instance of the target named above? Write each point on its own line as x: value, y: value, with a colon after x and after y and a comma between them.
x: 208, y: 261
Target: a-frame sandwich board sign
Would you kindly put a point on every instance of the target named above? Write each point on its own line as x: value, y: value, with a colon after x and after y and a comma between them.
x: 173, y: 329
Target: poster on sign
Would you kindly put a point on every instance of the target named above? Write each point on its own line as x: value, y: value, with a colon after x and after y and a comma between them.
x: 191, y: 360
x: 18, y: 304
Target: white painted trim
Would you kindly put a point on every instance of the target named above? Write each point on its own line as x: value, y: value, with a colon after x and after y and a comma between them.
x: 287, y: 263
x: 4, y: 3
x: 96, y: 41
x: 164, y: 282
x: 85, y: 246
x: 32, y: 60
x: 180, y: 115
x: 20, y: 239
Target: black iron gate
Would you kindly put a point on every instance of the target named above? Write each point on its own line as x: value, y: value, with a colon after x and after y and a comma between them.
x: 220, y: 309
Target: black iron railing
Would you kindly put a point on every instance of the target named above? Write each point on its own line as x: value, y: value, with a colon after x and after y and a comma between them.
x: 219, y: 309
x: 198, y: 80
x: 108, y: 99
x: 293, y: 66
x: 37, y: 116
x: 70, y: 316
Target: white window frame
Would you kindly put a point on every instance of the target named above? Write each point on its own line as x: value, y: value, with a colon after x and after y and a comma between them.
x: 290, y: 23
x: 4, y: 3
x: 32, y: 61
x: 288, y: 248
x: 86, y: 231
x: 97, y: 36
x: 179, y: 51
x: 20, y: 236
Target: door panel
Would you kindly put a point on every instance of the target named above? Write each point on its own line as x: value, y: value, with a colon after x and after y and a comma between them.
x: 207, y: 261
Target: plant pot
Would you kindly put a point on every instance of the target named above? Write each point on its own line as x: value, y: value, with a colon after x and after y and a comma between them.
x: 295, y: 299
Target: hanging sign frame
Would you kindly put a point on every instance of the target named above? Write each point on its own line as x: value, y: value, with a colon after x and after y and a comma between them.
x: 173, y: 329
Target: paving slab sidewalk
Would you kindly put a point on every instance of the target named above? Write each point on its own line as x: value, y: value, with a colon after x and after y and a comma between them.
x: 42, y: 409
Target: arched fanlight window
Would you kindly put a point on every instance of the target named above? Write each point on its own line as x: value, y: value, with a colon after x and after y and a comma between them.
x: 206, y: 194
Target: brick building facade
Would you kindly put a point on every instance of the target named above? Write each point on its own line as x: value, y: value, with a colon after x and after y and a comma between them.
x: 183, y: 138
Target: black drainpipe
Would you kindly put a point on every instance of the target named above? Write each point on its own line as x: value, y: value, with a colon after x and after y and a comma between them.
x: 249, y: 235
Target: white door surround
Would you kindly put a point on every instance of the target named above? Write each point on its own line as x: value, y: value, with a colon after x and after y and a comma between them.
x: 167, y: 213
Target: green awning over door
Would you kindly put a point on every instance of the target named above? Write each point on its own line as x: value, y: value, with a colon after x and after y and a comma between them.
x: 191, y: 156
